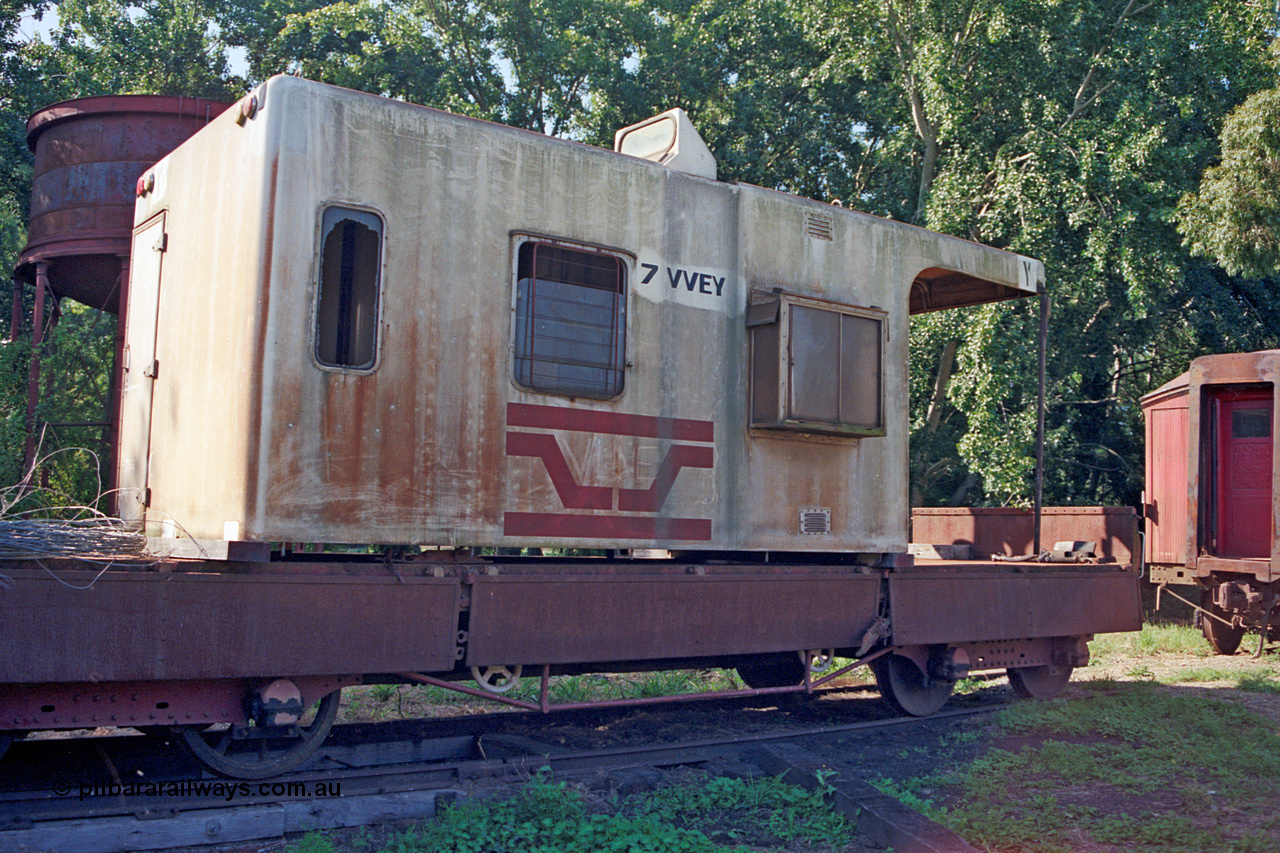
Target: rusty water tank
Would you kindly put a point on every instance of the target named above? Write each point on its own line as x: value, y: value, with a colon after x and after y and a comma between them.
x: 89, y: 154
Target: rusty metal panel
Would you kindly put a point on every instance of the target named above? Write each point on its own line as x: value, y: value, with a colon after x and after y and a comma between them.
x: 148, y: 625
x: 949, y: 607
x: 1011, y: 531
x: 599, y: 619
x: 89, y: 153
x: 1167, y: 471
x: 406, y: 453
x: 1208, y: 378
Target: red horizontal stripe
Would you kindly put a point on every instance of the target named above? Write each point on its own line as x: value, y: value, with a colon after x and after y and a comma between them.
x: 611, y: 423
x: 574, y: 526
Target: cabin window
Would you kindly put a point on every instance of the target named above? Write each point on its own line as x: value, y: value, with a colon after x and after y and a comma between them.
x: 816, y: 367
x: 1251, y: 423
x: 570, y: 323
x: 347, y: 309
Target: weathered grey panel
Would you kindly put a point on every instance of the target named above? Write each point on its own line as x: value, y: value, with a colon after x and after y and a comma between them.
x: 595, y: 619
x: 937, y: 607
x: 419, y: 449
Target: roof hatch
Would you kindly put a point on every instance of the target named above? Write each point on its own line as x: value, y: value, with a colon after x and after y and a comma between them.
x: 669, y: 139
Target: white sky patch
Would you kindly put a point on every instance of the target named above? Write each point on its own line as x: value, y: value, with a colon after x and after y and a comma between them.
x: 29, y: 27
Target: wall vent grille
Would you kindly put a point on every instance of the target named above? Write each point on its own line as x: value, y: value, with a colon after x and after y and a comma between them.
x: 818, y: 226
x: 816, y: 521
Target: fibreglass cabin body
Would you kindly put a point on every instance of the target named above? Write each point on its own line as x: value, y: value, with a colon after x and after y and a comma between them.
x: 356, y: 320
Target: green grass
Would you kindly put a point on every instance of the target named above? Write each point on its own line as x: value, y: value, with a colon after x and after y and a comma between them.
x: 706, y: 815
x: 1142, y: 769
x: 1257, y: 679
x: 399, y: 701
x: 380, y: 702
x: 1152, y: 640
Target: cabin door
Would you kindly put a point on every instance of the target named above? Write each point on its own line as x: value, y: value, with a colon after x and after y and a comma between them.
x: 1244, y: 473
x: 139, y: 367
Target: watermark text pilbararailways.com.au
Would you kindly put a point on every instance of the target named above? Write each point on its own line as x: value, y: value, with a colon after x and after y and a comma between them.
x: 226, y: 790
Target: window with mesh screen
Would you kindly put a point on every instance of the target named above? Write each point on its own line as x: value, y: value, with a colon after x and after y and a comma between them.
x: 346, y: 333
x: 570, y: 325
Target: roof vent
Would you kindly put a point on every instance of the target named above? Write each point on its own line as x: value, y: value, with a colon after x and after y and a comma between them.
x: 669, y: 139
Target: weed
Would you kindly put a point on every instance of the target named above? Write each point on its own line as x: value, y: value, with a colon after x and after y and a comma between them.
x: 667, y: 683
x: 544, y: 816
x: 547, y: 816
x: 383, y: 692
x: 761, y: 807
x: 313, y: 842
x: 908, y: 793
x: 571, y: 688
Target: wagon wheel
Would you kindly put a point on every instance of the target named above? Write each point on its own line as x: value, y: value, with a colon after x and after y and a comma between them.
x: 905, y: 688
x: 1039, y: 682
x: 497, y: 679
x: 820, y: 660
x: 780, y: 670
x: 1225, y: 639
x: 260, y: 752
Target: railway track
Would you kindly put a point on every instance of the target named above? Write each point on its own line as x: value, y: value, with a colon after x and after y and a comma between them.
x: 127, y: 792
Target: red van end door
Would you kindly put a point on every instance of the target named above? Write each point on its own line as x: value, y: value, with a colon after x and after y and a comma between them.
x: 1244, y: 473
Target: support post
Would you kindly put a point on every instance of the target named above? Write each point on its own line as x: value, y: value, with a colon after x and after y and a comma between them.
x: 33, y: 373
x: 111, y: 477
x: 1041, y: 358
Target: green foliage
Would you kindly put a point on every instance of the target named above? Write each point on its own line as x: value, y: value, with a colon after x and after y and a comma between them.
x: 70, y: 448
x: 1066, y: 131
x: 545, y: 816
x: 1234, y: 216
x: 764, y: 814
x: 161, y: 47
x: 313, y: 842
x: 780, y: 810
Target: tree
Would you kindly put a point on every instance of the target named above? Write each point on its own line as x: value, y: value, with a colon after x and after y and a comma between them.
x: 1066, y: 131
x: 159, y: 47
x: 1234, y: 217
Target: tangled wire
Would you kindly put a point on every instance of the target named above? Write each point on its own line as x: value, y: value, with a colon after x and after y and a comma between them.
x: 97, y: 537
x: 38, y: 531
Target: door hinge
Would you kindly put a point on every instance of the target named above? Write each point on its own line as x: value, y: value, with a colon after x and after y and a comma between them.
x: 162, y: 244
x: 146, y: 496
